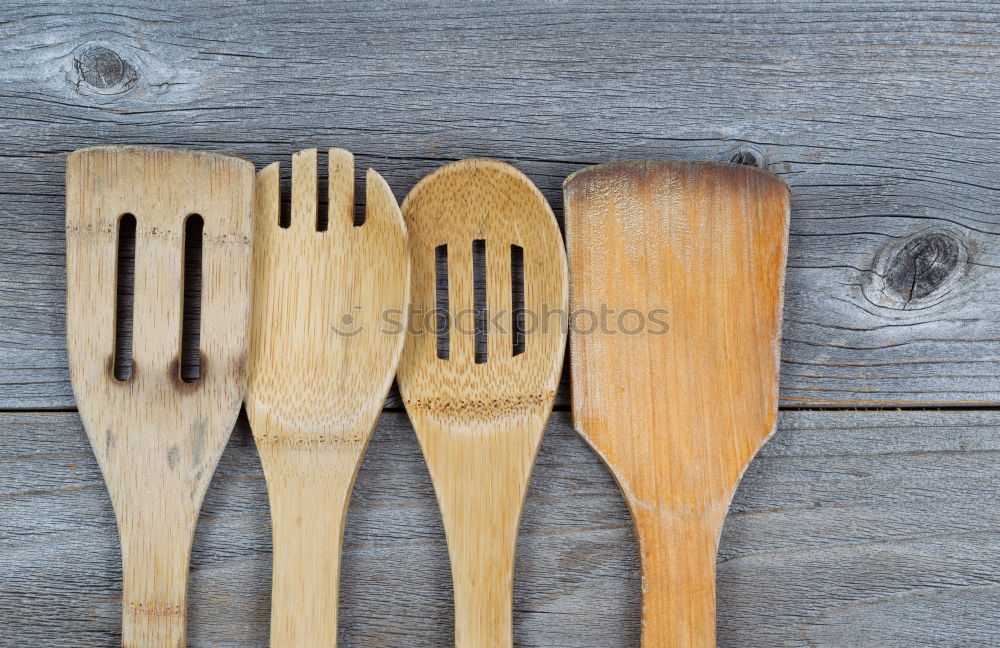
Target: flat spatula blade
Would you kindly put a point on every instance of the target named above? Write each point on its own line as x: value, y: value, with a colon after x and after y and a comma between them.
x: 157, y: 437
x: 681, y: 266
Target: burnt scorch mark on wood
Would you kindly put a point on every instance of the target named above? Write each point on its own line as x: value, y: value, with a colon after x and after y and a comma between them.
x: 101, y: 70
x: 918, y: 271
x: 181, y: 385
x: 111, y: 367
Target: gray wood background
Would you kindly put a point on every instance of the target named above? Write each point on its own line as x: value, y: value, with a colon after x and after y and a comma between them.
x: 876, y: 527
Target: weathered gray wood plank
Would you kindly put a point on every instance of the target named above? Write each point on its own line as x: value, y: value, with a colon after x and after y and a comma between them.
x: 883, y: 116
x: 872, y: 529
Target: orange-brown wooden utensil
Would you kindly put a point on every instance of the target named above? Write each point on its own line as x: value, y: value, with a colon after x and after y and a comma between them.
x: 679, y: 390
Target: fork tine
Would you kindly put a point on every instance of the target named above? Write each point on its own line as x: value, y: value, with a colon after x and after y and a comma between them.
x: 341, y: 189
x: 267, y: 201
x: 304, y: 183
x: 381, y: 212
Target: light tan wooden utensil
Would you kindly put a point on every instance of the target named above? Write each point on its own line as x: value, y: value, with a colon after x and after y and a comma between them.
x: 329, y: 320
x: 687, y: 261
x: 157, y: 436
x: 480, y: 419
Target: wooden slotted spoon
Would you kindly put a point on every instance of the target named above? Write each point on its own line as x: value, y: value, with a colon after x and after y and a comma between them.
x: 687, y: 260
x: 329, y: 317
x: 480, y: 423
x: 157, y: 438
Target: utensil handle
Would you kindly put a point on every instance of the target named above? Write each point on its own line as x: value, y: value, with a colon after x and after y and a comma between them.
x: 481, y: 485
x: 678, y: 576
x: 482, y: 538
x: 155, y: 560
x: 309, y: 495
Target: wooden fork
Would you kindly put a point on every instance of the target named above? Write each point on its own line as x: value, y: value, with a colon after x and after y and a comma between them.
x: 329, y: 319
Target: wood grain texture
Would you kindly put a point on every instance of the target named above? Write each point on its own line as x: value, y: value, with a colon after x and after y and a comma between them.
x: 680, y: 268
x: 480, y: 424
x: 322, y: 357
x: 862, y: 530
x: 881, y: 116
x: 157, y: 437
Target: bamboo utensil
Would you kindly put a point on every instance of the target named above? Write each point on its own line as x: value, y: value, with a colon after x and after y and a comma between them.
x: 157, y: 434
x: 329, y: 318
x: 480, y: 417
x: 677, y: 411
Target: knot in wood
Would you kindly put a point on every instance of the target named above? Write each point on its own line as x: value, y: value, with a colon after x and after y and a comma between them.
x: 916, y: 272
x: 747, y: 156
x: 922, y: 266
x: 103, y: 70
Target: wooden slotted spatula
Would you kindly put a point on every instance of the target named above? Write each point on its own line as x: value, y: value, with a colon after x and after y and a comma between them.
x: 480, y: 416
x: 680, y: 391
x: 157, y: 434
x: 329, y: 317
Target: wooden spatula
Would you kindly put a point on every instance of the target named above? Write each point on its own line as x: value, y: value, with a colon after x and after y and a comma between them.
x: 329, y: 319
x: 679, y: 390
x: 157, y: 434
x: 479, y: 407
